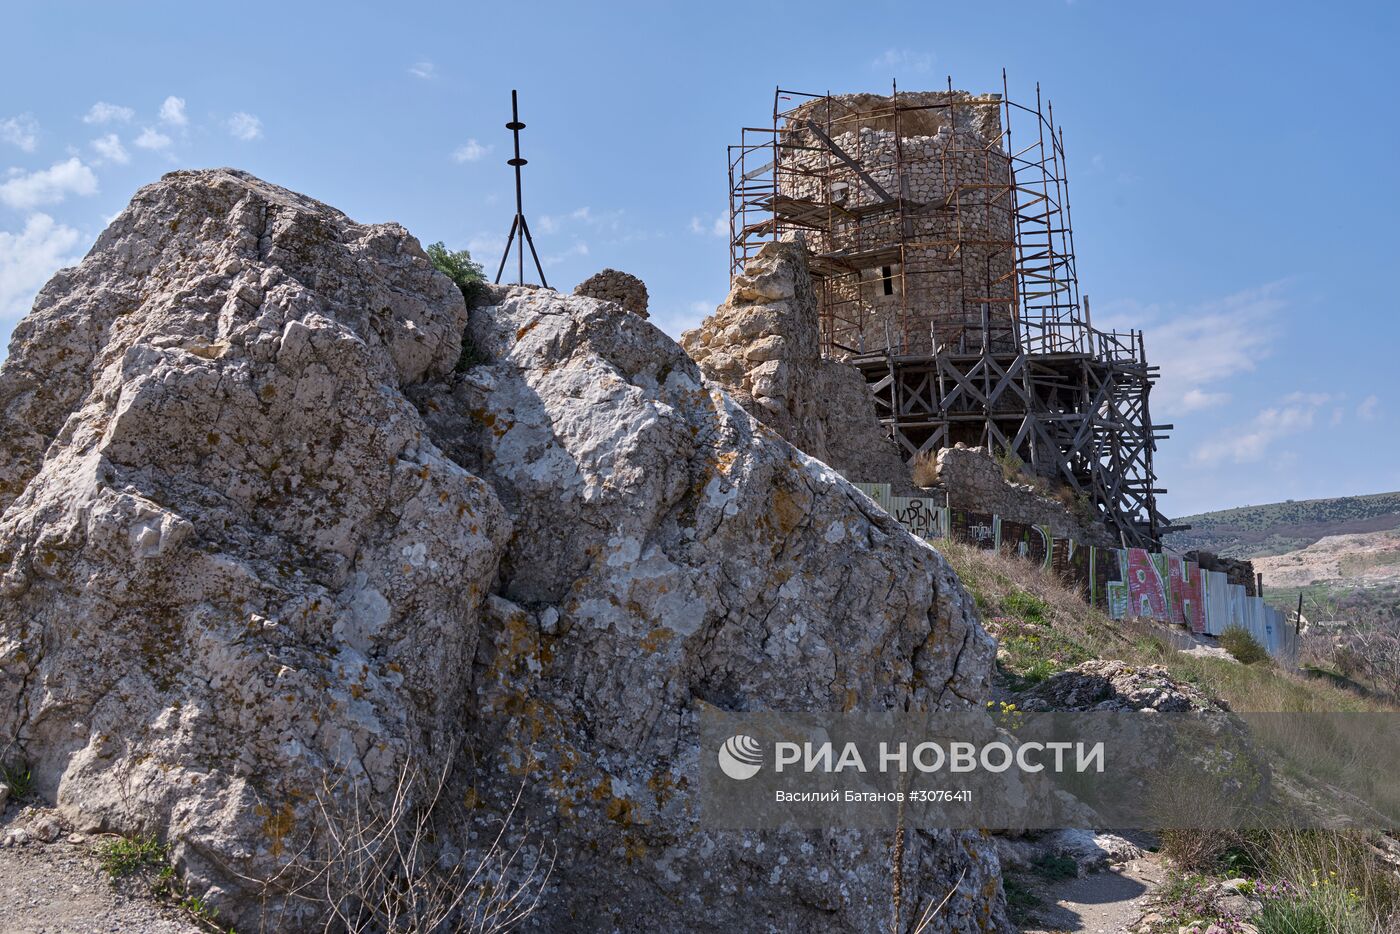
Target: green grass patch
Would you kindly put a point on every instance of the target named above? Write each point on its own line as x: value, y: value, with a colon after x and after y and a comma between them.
x: 1021, y: 899
x: 1027, y: 606
x: 20, y: 780
x: 125, y: 856
x: 148, y: 860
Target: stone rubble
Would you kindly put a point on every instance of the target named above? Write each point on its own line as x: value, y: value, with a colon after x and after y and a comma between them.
x: 1108, y: 685
x: 974, y: 481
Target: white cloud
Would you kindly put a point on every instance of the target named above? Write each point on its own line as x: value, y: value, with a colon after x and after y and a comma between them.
x: 102, y: 112
x: 608, y: 221
x: 471, y: 152
x: 28, y: 259
x: 577, y: 248
x: 1294, y: 413
x: 1201, y: 346
x: 110, y: 148
x: 173, y: 111
x: 704, y: 308
x: 245, y: 126
x: 1369, y: 409
x: 1195, y: 399
x: 424, y: 70
x: 902, y: 60
x: 152, y: 139
x: 21, y: 131
x: 719, y: 227
x: 48, y: 186
x: 487, y: 245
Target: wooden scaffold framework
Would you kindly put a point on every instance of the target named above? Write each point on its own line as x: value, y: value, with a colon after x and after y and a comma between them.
x: 942, y: 255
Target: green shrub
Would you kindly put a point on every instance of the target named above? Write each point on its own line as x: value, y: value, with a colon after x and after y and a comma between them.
x: 1021, y: 899
x: 471, y: 280
x: 1239, y: 643
x: 459, y: 267
x: 1053, y: 867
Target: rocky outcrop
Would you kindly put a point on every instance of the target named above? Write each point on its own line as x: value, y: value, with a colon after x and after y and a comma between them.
x: 1105, y: 685
x: 610, y: 285
x: 258, y: 535
x: 762, y: 346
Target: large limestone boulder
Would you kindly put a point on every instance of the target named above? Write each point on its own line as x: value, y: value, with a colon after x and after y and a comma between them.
x: 257, y: 530
x: 670, y: 552
x: 762, y: 346
x: 231, y: 562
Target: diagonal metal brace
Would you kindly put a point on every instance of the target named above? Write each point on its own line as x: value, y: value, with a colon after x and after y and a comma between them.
x: 850, y: 163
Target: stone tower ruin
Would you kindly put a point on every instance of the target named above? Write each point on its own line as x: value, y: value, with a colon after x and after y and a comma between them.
x: 941, y: 251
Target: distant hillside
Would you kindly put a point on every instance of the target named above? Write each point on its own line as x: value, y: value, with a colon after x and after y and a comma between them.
x: 1277, y: 528
x: 1342, y: 555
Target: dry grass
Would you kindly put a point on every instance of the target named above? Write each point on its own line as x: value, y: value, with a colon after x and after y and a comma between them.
x: 1000, y: 583
x: 409, y: 864
x: 1355, y: 886
x: 926, y: 469
x: 383, y: 868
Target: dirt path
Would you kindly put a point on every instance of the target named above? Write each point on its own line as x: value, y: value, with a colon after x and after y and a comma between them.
x: 1103, y: 902
x: 58, y: 888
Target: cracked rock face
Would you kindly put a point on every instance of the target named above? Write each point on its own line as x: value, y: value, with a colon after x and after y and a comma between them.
x: 256, y: 531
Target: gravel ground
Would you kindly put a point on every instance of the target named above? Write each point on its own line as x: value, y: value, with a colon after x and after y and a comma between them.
x: 58, y: 888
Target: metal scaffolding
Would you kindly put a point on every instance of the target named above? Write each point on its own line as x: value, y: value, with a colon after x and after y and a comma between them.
x: 942, y: 255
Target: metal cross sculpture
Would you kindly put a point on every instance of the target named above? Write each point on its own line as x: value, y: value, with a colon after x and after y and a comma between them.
x: 518, y: 227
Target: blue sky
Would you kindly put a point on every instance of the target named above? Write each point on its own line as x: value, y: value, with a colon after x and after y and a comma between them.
x: 1233, y: 165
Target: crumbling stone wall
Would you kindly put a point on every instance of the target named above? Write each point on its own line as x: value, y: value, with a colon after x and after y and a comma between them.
x: 762, y: 346
x: 958, y: 259
x: 973, y: 480
x: 611, y: 285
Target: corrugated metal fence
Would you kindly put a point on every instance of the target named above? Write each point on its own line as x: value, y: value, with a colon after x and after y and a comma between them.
x: 1126, y: 582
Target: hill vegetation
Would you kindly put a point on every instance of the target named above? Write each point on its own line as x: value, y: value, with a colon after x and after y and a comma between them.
x: 1277, y: 528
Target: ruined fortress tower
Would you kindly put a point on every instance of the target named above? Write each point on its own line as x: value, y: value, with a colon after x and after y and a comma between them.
x: 941, y: 252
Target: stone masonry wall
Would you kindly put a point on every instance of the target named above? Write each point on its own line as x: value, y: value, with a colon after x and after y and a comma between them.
x: 958, y: 234
x: 1238, y: 571
x: 611, y: 285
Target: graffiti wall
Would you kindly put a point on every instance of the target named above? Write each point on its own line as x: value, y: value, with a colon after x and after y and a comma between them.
x: 1126, y: 582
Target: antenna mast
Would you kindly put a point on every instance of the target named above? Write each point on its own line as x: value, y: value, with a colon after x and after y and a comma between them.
x: 519, y: 227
